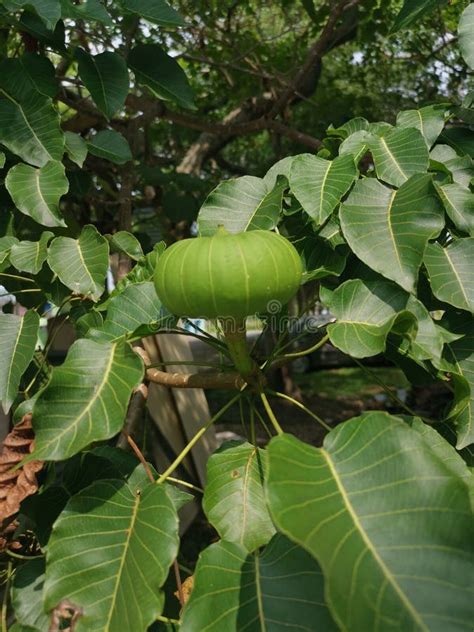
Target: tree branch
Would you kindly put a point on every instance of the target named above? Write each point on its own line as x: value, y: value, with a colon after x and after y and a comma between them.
x: 229, y: 381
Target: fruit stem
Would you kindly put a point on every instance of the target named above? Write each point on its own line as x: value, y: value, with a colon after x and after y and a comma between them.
x: 235, y: 334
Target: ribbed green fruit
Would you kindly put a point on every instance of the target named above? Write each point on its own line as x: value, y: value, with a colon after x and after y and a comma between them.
x: 228, y: 275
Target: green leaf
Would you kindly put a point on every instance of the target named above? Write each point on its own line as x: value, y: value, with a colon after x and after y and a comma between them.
x: 234, y: 500
x: 6, y: 244
x: 465, y: 30
x: 319, y: 184
x: 429, y: 120
x: 460, y: 167
x: 388, y: 230
x: 414, y: 10
x: 86, y: 398
x: 450, y: 272
x: 90, y: 10
x: 280, y: 588
x: 459, y: 204
x: 242, y: 204
x: 366, y: 311
x: 106, y: 77
x: 387, y: 518
x: 357, y: 144
x: 48, y: 10
x: 461, y: 138
x: 18, y: 337
x: 458, y: 360
x: 30, y: 128
x: 31, y: 23
x: 37, y: 73
x: 155, y: 11
x: 29, y: 256
x: 110, y: 145
x: 109, y: 554
x: 136, y: 306
x: 125, y: 242
x: 319, y: 258
x: 399, y: 154
x: 27, y: 595
x: 280, y: 168
x: 2, y: 159
x: 36, y: 191
x: 76, y: 148
x: 81, y: 264
x: 356, y: 124
x: 161, y: 74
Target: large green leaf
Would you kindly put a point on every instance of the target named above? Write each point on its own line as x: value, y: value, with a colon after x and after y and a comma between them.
x: 459, y: 204
x: 48, y: 10
x: 81, y: 264
x: 450, y: 272
x: 280, y: 588
x: 387, y: 516
x: 109, y: 555
x: 18, y: 337
x: 155, y: 11
x: 245, y: 203
x: 414, y: 10
x: 106, y: 77
x: 458, y: 360
x: 110, y: 145
x: 29, y: 256
x: 365, y: 312
x: 30, y: 128
x: 86, y: 398
x: 388, y: 230
x: 27, y: 595
x: 28, y: 74
x: 161, y: 74
x: 399, y: 154
x: 429, y: 120
x: 37, y: 191
x: 234, y: 500
x: 136, y: 306
x: 465, y: 30
x: 319, y: 184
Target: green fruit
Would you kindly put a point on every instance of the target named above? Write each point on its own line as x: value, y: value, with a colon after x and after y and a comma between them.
x: 228, y: 275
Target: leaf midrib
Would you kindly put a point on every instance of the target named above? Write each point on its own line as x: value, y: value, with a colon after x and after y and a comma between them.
x: 122, y: 561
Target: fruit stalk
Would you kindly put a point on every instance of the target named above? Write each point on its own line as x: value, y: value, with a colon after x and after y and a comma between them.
x: 235, y: 334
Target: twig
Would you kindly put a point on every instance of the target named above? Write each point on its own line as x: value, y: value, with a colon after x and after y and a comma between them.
x: 303, y: 407
x: 298, y: 354
x: 139, y: 455
x: 196, y: 438
x: 392, y: 395
x: 270, y: 413
x: 143, y: 461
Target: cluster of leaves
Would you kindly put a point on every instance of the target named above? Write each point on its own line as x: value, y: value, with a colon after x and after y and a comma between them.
x: 373, y: 530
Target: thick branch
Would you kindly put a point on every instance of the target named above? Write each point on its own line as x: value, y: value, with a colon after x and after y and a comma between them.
x: 319, y: 48
x: 229, y: 381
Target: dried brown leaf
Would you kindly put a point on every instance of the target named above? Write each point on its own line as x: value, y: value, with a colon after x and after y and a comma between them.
x: 17, y: 485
